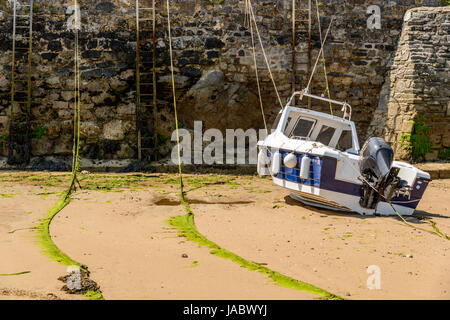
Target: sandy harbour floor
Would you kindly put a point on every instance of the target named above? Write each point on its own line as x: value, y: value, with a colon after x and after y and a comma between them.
x: 117, y: 226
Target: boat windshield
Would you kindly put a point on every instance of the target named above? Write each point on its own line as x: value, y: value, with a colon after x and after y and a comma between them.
x: 329, y: 132
x: 277, y: 121
x: 345, y: 141
x: 326, y: 134
x: 303, y: 128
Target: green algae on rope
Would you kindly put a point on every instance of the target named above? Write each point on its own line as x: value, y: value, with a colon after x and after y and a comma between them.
x: 433, y: 225
x: 436, y: 229
x: 186, y: 225
x: 45, y: 240
x: 93, y: 295
x: 51, y: 249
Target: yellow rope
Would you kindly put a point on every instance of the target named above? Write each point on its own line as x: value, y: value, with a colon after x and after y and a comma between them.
x: 323, y: 58
x: 246, y: 14
x: 392, y: 206
x: 414, y: 227
x: 320, y: 52
x: 175, y: 102
x: 77, y: 161
x: 257, y: 80
x: 433, y: 224
x: 13, y: 63
x: 77, y: 105
x: 264, y: 52
x: 257, y: 76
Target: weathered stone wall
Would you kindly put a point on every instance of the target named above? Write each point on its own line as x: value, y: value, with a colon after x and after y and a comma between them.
x: 205, y: 38
x: 107, y: 72
x: 417, y: 86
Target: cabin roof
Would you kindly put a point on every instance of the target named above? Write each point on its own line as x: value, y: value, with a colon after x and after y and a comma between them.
x: 318, y: 114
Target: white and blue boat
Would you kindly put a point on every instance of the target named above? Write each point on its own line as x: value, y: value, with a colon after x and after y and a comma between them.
x: 318, y: 158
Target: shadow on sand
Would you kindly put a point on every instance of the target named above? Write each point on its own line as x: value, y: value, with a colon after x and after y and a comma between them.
x: 417, y: 218
x: 172, y: 202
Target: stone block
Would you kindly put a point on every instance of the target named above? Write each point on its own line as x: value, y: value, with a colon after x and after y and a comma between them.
x: 42, y: 147
x: 53, y: 129
x: 63, y: 146
x: 90, y: 129
x: 67, y: 95
x: 103, y: 98
x: 4, y: 120
x: 434, y: 155
x: 125, y: 152
x: 53, y: 81
x: 65, y: 114
x: 114, y: 130
x: 60, y: 105
x: 126, y: 109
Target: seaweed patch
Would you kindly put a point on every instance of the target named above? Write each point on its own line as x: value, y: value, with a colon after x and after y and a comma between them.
x: 186, y: 225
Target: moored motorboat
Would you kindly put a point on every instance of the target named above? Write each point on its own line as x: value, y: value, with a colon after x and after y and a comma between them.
x: 318, y: 158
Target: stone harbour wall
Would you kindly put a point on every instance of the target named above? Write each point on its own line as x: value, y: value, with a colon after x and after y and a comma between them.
x: 417, y: 89
x: 214, y: 72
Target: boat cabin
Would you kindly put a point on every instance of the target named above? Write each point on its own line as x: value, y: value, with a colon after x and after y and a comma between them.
x: 304, y: 124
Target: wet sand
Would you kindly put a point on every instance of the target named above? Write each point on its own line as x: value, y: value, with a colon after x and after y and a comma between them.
x: 117, y: 226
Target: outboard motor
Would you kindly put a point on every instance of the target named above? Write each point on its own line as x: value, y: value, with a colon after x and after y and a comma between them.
x: 375, y: 165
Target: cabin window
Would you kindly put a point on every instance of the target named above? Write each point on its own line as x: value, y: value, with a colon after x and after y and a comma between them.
x: 288, y: 125
x: 277, y: 121
x: 303, y: 128
x: 345, y: 141
x: 325, y: 135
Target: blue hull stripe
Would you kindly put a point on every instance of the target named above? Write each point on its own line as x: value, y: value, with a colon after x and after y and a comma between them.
x: 323, y: 175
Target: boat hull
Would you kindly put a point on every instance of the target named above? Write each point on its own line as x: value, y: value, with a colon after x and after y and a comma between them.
x: 325, y: 189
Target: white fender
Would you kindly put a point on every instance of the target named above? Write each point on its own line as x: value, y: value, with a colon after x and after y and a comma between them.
x: 290, y: 160
x: 304, y: 168
x: 276, y: 163
x: 263, y: 161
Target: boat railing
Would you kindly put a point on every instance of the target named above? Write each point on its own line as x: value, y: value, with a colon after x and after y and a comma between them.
x: 346, y: 108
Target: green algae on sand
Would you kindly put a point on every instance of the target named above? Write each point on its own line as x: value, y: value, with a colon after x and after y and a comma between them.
x: 186, y: 225
x: 14, y: 274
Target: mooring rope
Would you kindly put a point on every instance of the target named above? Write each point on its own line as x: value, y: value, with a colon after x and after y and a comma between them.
x: 188, y: 229
x: 43, y: 227
x: 50, y: 248
x: 327, y: 89
x: 175, y: 104
x: 13, y: 64
x: 246, y: 15
x: 264, y: 53
x: 258, y: 83
x: 320, y: 53
x: 256, y: 74
x: 437, y: 231
x: 77, y: 105
x: 249, y: 8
